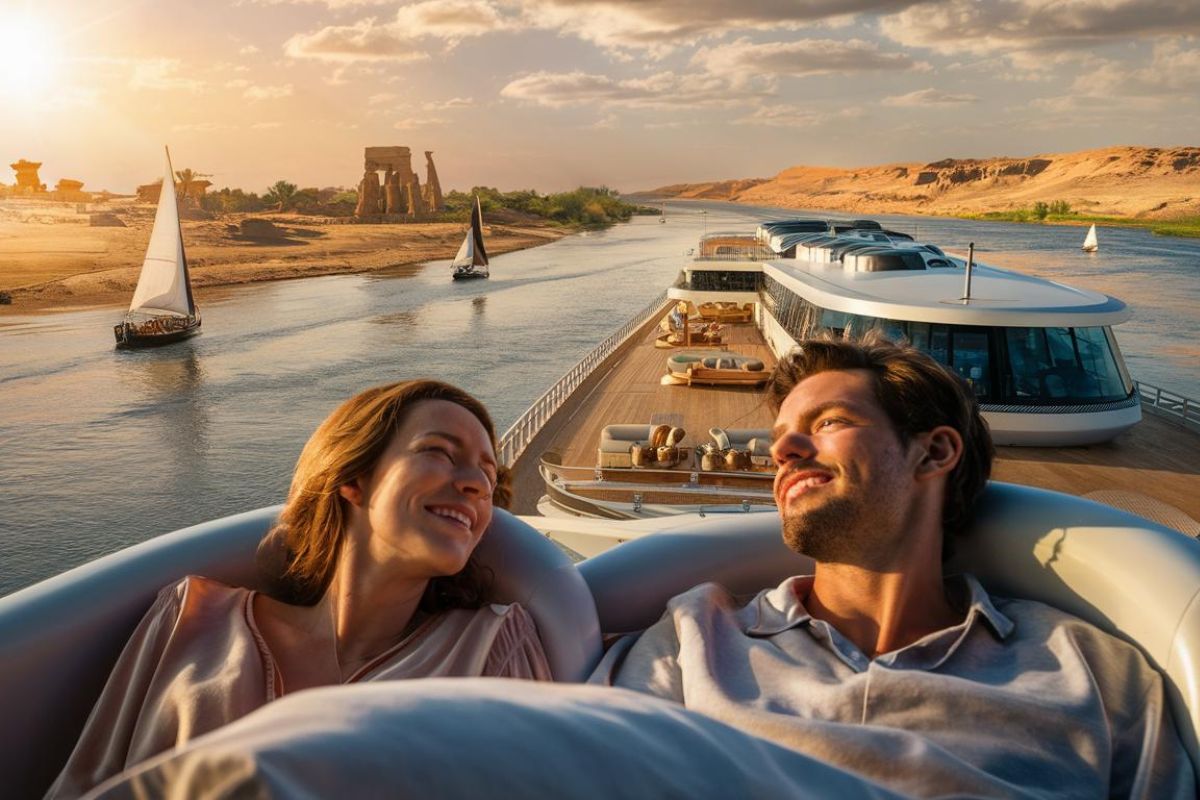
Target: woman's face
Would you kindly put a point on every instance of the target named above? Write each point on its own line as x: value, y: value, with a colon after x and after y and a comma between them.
x: 428, y: 501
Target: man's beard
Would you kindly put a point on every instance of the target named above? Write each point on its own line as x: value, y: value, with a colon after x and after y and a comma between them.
x: 829, y: 532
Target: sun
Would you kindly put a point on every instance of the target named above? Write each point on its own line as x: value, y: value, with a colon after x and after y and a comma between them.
x: 29, y: 55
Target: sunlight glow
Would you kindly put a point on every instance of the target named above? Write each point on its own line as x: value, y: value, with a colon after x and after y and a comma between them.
x: 29, y: 56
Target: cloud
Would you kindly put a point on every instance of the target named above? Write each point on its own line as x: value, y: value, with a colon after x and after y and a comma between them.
x: 202, y: 127
x: 410, y: 123
x: 248, y: 50
x: 266, y: 126
x: 450, y: 19
x: 268, y: 92
x: 792, y: 117
x: 160, y: 74
x: 929, y: 97
x: 364, y: 40
x: 237, y: 83
x: 70, y: 98
x: 1174, y: 69
x: 956, y: 26
x: 666, y: 89
x: 658, y: 26
x: 744, y: 59
x: 453, y: 102
x: 334, y: 5
x: 405, y: 38
x: 381, y: 98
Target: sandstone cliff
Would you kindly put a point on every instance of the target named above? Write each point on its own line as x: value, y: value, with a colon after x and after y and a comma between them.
x: 1149, y: 182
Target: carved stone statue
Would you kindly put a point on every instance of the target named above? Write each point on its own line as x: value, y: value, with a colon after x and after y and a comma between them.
x: 394, y: 194
x: 368, y: 195
x: 433, y: 187
x: 416, y: 203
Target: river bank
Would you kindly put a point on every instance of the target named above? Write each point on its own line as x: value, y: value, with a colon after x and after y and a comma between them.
x: 52, y: 259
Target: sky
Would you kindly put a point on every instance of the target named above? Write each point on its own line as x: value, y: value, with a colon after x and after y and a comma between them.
x: 552, y: 94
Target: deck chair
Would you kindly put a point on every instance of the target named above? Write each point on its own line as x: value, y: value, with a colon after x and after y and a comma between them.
x: 1126, y: 575
x: 60, y: 638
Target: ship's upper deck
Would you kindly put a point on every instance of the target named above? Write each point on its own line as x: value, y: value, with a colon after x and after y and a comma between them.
x: 998, y: 296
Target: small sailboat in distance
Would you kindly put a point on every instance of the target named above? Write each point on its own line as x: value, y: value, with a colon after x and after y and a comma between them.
x: 163, y: 309
x: 472, y: 258
x: 1090, y: 245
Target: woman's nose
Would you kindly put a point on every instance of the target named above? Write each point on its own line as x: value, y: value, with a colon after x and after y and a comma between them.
x: 472, y: 479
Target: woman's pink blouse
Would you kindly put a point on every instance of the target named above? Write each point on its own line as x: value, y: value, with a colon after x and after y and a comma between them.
x: 197, y: 661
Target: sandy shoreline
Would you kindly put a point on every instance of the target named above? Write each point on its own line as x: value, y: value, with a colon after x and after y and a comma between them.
x: 52, y: 260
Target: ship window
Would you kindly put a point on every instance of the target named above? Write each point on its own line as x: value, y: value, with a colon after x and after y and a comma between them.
x: 1062, y: 366
x: 971, y: 360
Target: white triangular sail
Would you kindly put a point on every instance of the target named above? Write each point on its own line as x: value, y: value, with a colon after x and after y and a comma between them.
x: 466, y: 253
x: 163, y: 285
x: 1090, y: 245
x: 472, y: 255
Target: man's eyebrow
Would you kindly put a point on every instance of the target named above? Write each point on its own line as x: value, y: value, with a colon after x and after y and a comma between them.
x: 456, y: 440
x: 817, y: 411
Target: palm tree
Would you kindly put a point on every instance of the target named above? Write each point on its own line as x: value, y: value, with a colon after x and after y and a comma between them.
x: 187, y: 177
x: 281, y: 192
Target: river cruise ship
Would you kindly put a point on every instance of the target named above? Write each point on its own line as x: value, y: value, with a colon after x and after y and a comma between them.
x: 670, y: 417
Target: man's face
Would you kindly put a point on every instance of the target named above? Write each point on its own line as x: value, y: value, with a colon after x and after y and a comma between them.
x: 845, y: 482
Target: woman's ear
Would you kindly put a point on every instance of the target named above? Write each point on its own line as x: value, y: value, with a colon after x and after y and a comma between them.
x: 352, y: 492
x: 943, y: 449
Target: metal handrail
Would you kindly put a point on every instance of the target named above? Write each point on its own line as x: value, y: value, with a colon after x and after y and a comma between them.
x: 1165, y: 403
x: 521, y: 433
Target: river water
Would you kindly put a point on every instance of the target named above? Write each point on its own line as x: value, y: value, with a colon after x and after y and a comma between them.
x: 103, y: 449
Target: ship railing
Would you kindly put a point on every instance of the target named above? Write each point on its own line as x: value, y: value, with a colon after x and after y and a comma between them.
x: 1165, y: 403
x: 521, y: 433
x: 742, y: 254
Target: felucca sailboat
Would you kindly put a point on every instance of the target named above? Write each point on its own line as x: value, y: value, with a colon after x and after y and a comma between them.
x: 1090, y: 245
x: 163, y: 309
x: 472, y: 258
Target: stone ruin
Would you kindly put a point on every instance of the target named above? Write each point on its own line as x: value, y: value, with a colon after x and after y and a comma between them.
x: 29, y: 184
x: 401, y: 192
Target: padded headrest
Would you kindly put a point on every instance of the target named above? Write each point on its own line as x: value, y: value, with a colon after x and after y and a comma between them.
x: 60, y: 638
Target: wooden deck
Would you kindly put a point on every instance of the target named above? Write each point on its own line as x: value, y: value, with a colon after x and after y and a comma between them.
x: 630, y: 393
x: 1149, y: 468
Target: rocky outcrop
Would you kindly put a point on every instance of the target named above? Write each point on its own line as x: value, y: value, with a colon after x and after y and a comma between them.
x: 1130, y: 181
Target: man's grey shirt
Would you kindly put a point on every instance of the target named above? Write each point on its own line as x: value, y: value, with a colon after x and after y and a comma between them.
x: 1019, y: 699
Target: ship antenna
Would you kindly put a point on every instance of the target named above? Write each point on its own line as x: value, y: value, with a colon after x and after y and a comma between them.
x: 966, y: 298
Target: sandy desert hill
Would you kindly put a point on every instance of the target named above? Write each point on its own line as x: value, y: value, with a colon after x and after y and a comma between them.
x: 1145, y: 182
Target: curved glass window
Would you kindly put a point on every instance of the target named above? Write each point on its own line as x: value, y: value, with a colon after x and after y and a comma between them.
x: 1004, y: 366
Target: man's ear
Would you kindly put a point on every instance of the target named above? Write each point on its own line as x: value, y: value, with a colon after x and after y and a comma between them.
x: 943, y: 449
x: 352, y: 492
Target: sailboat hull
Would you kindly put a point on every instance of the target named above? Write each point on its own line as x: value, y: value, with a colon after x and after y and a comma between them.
x: 466, y: 276
x: 130, y: 336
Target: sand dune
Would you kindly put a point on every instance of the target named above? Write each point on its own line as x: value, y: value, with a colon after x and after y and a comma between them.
x: 51, y: 258
x: 1143, y: 182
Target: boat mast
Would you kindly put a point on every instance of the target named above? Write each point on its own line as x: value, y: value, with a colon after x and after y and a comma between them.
x: 187, y: 277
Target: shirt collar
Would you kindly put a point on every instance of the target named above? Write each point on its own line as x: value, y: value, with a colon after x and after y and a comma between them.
x: 776, y: 610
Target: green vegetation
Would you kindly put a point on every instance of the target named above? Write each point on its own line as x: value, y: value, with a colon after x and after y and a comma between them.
x: 1059, y: 212
x: 589, y: 207
x: 592, y: 207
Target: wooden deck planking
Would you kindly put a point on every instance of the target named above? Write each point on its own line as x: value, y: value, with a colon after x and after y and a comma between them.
x: 633, y: 394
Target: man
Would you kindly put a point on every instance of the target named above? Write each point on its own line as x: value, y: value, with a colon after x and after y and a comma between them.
x: 876, y: 662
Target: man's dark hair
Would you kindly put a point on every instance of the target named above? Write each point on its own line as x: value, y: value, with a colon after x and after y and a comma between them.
x: 918, y: 394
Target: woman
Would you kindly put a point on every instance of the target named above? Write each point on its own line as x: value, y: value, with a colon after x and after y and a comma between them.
x: 372, y: 580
